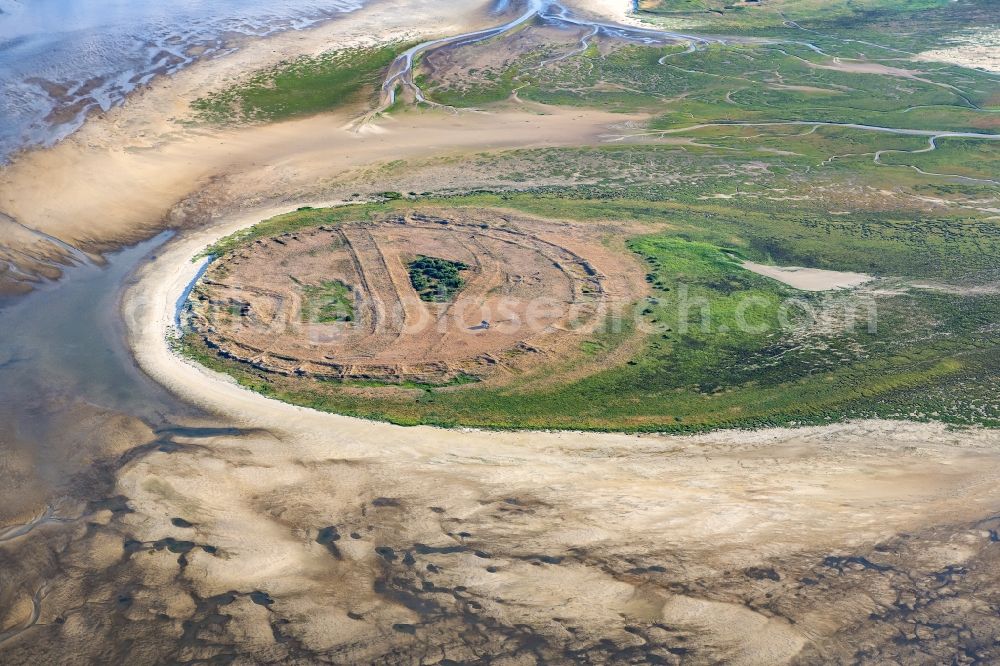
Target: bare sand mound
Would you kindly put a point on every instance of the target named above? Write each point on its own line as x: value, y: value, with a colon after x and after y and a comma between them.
x: 529, y: 287
x: 809, y: 279
x: 978, y: 48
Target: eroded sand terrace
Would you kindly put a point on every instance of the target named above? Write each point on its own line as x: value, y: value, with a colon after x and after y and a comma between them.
x: 530, y: 287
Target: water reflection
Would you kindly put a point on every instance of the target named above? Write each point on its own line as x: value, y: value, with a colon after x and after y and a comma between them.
x: 70, y: 394
x: 61, y: 59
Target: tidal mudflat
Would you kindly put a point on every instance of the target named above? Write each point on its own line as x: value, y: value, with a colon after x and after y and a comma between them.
x: 542, y: 332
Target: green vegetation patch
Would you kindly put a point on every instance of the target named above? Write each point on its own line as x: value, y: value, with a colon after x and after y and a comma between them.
x: 436, y: 280
x: 738, y: 83
x: 304, y: 86
x: 764, y: 15
x: 965, y: 158
x: 951, y: 247
x: 330, y: 301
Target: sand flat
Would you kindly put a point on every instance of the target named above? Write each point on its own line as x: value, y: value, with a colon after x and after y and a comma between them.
x: 809, y: 279
x: 978, y: 48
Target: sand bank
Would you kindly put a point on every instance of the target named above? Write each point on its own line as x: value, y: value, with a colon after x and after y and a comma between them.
x: 809, y: 279
x: 614, y: 11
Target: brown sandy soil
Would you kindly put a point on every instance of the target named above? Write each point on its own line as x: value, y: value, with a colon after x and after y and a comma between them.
x: 865, y: 67
x: 538, y: 284
x: 475, y: 65
x: 806, y: 89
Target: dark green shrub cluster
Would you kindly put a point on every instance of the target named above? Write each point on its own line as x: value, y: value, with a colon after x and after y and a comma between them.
x: 436, y: 280
x: 305, y: 86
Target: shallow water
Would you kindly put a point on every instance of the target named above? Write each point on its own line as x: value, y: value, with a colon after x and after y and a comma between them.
x: 64, y: 337
x: 68, y: 382
x: 62, y: 59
